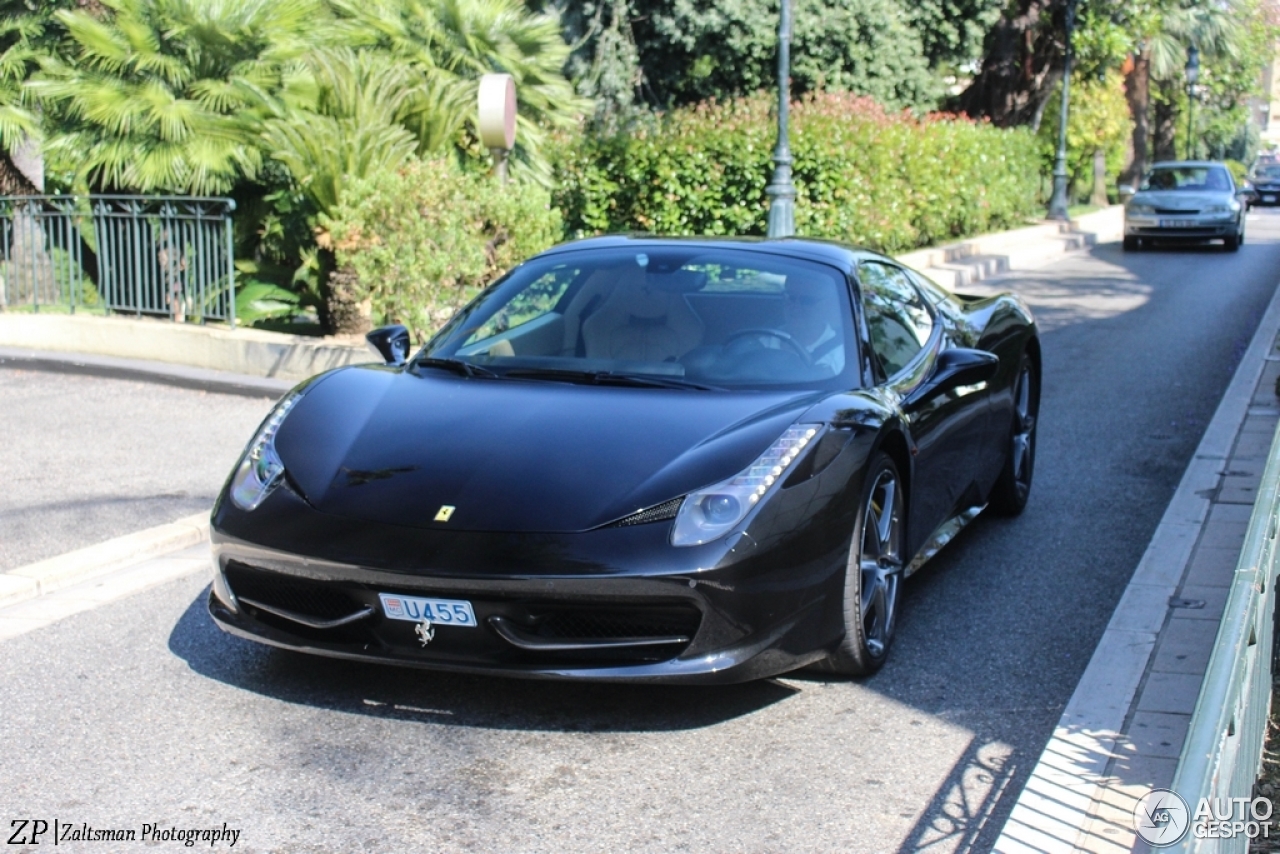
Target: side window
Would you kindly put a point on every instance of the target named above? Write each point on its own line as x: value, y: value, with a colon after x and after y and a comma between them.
x: 535, y: 301
x: 897, y: 318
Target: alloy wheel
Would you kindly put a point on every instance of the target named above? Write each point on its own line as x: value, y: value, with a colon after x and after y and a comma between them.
x: 880, y: 562
x: 1022, y: 453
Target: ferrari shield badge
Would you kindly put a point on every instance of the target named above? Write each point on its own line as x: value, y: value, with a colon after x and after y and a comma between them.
x: 425, y: 631
x: 443, y: 514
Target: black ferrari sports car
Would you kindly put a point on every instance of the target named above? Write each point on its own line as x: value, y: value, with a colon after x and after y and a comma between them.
x: 636, y: 459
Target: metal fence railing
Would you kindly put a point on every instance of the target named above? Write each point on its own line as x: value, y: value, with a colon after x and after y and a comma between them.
x: 1222, y: 755
x: 169, y: 256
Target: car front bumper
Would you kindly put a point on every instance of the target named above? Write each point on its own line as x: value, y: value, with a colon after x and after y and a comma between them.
x: 1181, y: 228
x: 617, y: 604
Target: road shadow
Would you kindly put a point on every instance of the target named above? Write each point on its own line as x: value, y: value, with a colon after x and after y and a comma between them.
x: 453, y: 699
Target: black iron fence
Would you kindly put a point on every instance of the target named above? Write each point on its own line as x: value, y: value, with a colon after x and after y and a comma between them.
x: 167, y: 256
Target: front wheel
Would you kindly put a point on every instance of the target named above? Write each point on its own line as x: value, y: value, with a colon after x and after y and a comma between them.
x: 873, y: 575
x: 1232, y: 243
x: 1013, y: 486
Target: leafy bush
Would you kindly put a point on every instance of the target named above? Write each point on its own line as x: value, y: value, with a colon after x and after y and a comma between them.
x: 424, y: 239
x: 1097, y: 118
x: 889, y: 181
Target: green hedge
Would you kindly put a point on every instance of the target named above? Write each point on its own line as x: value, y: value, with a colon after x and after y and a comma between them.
x: 424, y: 239
x: 889, y: 181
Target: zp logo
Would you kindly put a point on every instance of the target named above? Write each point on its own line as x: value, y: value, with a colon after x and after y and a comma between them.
x: 1161, y: 818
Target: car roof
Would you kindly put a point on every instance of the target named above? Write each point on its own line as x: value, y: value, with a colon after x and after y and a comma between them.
x: 842, y: 255
x: 1178, y: 164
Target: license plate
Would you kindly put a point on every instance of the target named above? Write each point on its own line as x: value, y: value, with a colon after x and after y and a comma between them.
x: 1177, y: 223
x: 1268, y: 198
x: 440, y: 612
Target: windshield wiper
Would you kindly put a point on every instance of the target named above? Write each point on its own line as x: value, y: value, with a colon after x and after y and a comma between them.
x: 458, y: 366
x: 619, y: 378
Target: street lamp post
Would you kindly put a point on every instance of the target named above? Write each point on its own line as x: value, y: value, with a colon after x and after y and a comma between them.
x: 781, y: 192
x: 1058, y: 203
x: 1193, y: 77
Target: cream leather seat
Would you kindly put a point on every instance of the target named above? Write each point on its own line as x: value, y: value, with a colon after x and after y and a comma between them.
x: 641, y: 322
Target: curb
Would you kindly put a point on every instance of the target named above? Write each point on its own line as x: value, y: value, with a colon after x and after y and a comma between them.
x: 201, y: 379
x: 252, y: 352
x: 1061, y: 807
x: 37, y: 579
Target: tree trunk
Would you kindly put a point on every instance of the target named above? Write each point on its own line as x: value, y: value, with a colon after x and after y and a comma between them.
x: 1022, y: 61
x: 1099, y: 196
x: 29, y: 160
x: 12, y: 181
x: 1137, y: 90
x: 343, y: 311
x: 1165, y: 131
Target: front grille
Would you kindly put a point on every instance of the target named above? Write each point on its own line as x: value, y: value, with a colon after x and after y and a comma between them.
x: 299, y: 595
x: 617, y: 624
x: 1176, y: 212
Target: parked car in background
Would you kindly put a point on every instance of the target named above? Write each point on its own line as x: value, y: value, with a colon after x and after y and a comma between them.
x: 1265, y: 181
x: 636, y: 459
x: 1185, y: 201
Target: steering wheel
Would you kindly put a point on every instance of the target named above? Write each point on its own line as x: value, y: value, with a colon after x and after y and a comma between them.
x: 777, y: 334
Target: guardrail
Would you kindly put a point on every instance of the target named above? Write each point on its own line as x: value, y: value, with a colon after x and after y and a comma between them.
x: 166, y: 256
x: 1222, y: 754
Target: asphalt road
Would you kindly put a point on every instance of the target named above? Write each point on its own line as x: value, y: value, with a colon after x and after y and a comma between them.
x: 141, y: 711
x: 87, y: 458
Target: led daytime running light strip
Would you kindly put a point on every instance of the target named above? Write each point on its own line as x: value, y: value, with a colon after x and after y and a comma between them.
x: 269, y: 430
x: 772, y: 463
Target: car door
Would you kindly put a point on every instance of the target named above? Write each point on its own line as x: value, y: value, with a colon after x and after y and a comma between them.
x: 946, y: 423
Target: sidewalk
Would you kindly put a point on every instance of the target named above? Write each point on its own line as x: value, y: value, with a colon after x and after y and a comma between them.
x: 1123, y: 730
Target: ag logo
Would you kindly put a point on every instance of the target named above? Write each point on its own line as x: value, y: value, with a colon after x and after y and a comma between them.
x: 445, y: 511
x: 1161, y: 818
x: 426, y: 633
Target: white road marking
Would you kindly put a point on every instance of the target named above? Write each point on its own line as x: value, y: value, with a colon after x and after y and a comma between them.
x: 35, y: 614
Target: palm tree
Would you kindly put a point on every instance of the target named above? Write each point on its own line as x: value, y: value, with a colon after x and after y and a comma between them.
x: 1213, y: 27
x: 168, y: 95
x: 19, y: 123
x: 449, y: 44
x: 341, y: 120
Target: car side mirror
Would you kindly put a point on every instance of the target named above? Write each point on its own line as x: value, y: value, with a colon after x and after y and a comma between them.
x: 955, y: 368
x: 391, y: 342
x: 963, y: 366
x: 1127, y: 191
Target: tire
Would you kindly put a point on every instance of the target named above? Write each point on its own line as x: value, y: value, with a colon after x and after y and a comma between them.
x: 1013, y: 486
x: 873, y: 574
x: 1131, y: 244
x: 1232, y: 243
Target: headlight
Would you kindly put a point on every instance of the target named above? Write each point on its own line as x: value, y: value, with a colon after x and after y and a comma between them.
x: 260, y: 468
x: 1140, y: 210
x: 709, y: 513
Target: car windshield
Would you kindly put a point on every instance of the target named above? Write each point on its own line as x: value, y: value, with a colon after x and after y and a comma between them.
x: 1188, y: 178
x: 665, y: 316
x: 1267, y: 173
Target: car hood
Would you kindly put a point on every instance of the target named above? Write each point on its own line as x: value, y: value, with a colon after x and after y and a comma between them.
x: 1182, y: 200
x: 513, y: 454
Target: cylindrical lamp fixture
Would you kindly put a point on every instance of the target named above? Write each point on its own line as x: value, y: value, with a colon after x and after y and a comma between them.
x: 497, y: 125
